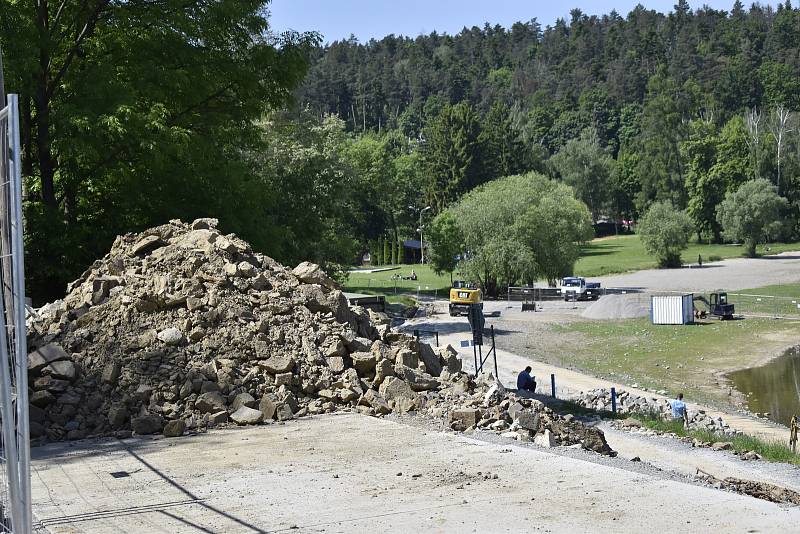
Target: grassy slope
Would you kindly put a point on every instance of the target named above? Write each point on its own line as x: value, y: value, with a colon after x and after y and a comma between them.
x: 675, y: 358
x: 626, y: 253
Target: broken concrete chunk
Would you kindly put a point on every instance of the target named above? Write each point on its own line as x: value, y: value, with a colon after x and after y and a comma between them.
x: 64, y: 370
x: 52, y: 352
x: 146, y: 245
x: 147, y: 424
x: 174, y: 429
x: 545, y: 439
x: 246, y: 416
x: 171, y: 336
x: 210, y: 402
x: 243, y: 399
x: 465, y: 417
x: 311, y: 273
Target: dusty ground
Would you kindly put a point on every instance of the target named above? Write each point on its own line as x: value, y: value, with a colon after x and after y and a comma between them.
x: 351, y: 473
x: 733, y: 274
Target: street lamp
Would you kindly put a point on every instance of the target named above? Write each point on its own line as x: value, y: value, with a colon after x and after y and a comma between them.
x: 421, y: 238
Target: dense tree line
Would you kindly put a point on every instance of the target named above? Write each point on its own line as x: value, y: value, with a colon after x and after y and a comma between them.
x: 681, y: 107
x: 135, y: 112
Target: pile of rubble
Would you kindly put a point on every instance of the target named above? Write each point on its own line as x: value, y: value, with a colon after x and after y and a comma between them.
x: 759, y: 490
x: 629, y: 403
x: 181, y: 328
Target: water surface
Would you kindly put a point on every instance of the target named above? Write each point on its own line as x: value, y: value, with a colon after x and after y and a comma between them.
x: 774, y: 387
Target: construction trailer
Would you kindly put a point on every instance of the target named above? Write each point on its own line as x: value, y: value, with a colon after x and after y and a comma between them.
x: 672, y: 309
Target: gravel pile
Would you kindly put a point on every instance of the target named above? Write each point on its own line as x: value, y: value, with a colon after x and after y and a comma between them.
x: 618, y: 307
x: 181, y: 328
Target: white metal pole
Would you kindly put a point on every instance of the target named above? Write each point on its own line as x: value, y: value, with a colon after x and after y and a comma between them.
x: 9, y: 436
x: 20, y: 334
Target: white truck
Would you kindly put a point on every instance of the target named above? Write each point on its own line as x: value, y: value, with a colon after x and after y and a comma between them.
x: 577, y: 288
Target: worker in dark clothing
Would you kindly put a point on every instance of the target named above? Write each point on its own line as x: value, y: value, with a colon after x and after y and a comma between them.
x: 525, y: 380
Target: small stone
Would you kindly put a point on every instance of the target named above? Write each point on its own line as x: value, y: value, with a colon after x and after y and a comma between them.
x: 211, y: 402
x: 282, y: 379
x: 146, y: 245
x: 722, y: 445
x: 284, y: 413
x: 147, y: 424
x: 243, y: 399
x: 267, y: 407
x: 174, y: 429
x: 218, y: 418
x: 545, y: 439
x: 466, y: 417
x: 46, y: 355
x: 111, y: 373
x: 247, y: 416
x: 61, y: 370
x: 171, y: 336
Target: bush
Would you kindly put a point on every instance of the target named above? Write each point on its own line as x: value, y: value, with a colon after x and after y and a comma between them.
x: 665, y: 233
x: 751, y: 213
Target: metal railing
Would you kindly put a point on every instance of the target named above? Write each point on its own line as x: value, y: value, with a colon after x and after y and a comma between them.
x: 15, y: 490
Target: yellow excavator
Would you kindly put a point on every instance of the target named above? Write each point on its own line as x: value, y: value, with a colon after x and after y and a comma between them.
x: 462, y: 296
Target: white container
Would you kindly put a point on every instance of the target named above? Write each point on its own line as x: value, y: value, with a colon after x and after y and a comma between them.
x: 672, y: 309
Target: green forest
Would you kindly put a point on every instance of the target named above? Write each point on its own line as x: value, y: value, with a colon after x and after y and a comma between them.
x: 138, y: 112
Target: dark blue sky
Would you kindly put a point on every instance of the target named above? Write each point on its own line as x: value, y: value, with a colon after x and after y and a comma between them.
x: 337, y: 19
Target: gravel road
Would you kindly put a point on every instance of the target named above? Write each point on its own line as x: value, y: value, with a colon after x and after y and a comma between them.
x: 732, y: 275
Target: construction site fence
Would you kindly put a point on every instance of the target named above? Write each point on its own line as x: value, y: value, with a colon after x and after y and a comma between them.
x: 15, y: 490
x: 401, y: 287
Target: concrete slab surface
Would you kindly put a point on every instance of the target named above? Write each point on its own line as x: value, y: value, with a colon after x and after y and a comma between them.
x: 349, y: 473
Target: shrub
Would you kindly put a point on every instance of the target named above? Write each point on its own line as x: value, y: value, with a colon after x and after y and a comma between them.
x: 665, y: 233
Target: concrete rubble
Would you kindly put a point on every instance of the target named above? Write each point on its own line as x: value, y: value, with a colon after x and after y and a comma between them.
x: 181, y: 328
x: 629, y: 403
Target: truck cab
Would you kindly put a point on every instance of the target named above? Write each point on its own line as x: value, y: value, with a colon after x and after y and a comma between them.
x: 577, y: 288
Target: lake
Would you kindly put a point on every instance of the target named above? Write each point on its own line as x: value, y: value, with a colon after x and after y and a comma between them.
x: 774, y: 387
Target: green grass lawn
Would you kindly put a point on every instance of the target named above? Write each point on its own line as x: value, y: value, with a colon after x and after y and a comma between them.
x: 600, y: 257
x: 676, y: 358
x: 427, y: 282
x: 626, y: 253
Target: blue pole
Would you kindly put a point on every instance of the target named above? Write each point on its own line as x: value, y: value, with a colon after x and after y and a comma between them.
x: 553, y: 384
x: 614, y: 400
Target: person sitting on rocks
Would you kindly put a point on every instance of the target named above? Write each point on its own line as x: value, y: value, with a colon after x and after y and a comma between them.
x: 525, y: 380
x: 679, y: 411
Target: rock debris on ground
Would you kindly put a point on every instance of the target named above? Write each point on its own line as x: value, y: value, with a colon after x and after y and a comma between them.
x: 181, y: 328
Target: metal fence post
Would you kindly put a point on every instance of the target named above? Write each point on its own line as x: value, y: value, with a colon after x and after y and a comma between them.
x: 553, y: 384
x: 614, y: 400
x: 494, y: 355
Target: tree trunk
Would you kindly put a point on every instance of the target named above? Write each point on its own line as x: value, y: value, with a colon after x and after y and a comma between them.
x: 42, y: 101
x: 44, y: 150
x: 26, y: 126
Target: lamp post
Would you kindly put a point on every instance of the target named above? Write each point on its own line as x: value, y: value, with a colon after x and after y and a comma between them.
x: 421, y: 237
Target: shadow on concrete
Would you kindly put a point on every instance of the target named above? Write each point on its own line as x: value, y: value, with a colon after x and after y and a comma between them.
x: 133, y: 448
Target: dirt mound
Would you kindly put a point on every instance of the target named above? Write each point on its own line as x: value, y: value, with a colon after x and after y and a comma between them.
x: 180, y: 328
x: 618, y: 307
